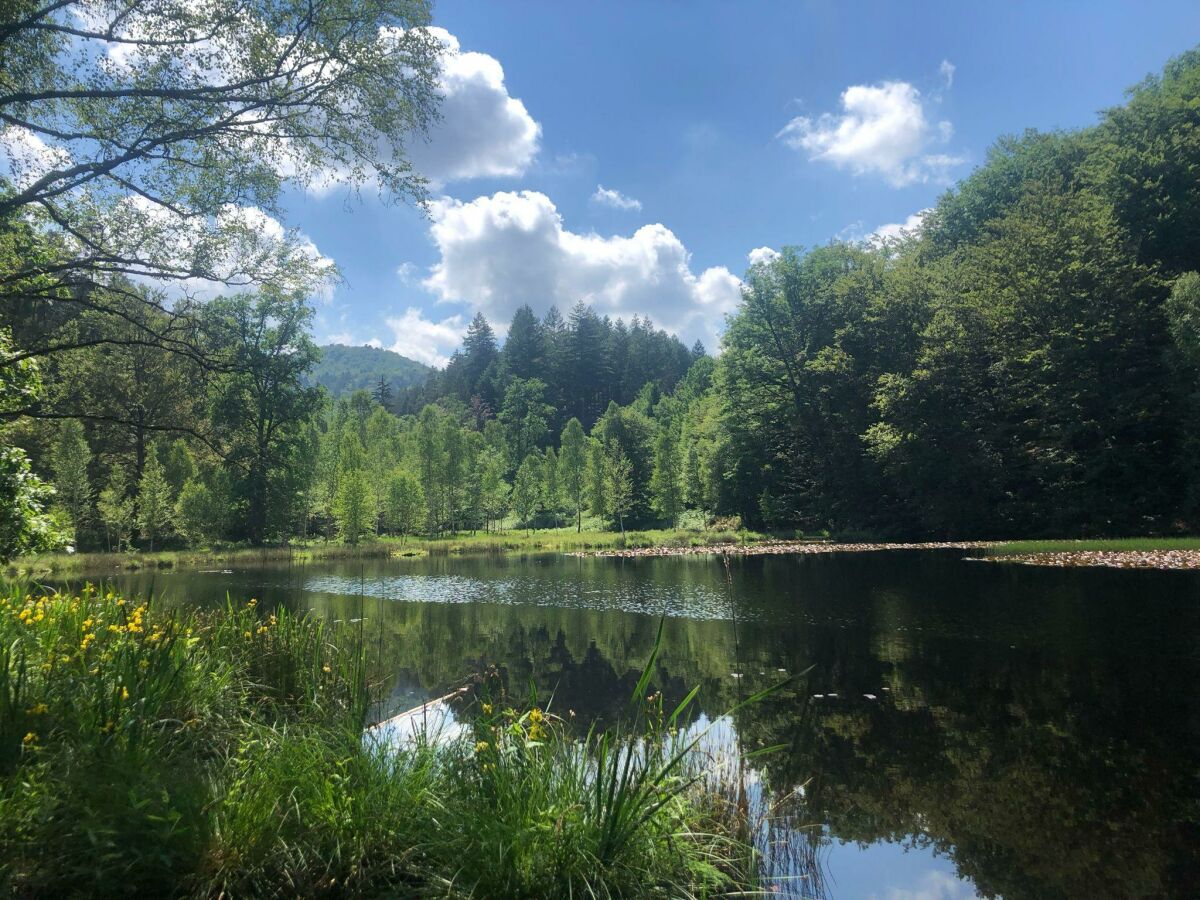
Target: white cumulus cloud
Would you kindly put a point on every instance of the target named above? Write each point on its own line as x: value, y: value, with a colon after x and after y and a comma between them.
x: 500, y: 251
x: 483, y: 132
x: 897, y: 230
x: 608, y: 197
x: 882, y: 129
x: 760, y: 255
x: 425, y: 340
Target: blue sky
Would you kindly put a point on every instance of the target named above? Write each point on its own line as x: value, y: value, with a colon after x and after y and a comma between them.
x: 714, y: 130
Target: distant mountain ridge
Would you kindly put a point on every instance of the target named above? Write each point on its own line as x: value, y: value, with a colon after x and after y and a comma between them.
x: 344, y: 370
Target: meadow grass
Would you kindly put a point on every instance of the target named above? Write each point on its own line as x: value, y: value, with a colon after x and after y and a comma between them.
x: 1010, y: 548
x: 222, y: 753
x: 512, y: 540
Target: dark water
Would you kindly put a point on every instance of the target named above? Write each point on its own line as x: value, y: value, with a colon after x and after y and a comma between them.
x: 967, y: 728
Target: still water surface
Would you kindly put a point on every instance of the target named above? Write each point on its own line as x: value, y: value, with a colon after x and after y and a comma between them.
x: 967, y: 728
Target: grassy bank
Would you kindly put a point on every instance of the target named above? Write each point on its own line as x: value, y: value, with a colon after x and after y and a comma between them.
x: 222, y: 754
x: 1099, y: 545
x: 551, y: 540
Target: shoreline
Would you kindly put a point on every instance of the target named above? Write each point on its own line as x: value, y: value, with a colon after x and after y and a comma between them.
x: 781, y: 548
x: 1161, y: 560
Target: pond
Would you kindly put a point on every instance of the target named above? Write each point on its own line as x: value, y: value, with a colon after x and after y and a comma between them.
x: 967, y: 728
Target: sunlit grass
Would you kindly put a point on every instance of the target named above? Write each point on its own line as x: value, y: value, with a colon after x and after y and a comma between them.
x: 508, y: 540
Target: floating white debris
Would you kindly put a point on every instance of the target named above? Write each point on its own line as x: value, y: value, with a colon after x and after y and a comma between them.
x: 784, y: 671
x: 735, y: 674
x: 818, y: 696
x: 869, y: 696
x: 833, y: 695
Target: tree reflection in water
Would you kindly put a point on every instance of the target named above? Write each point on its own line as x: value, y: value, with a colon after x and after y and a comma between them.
x: 1040, y: 728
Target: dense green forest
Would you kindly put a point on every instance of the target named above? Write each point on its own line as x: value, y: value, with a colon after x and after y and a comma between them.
x: 1025, y: 363
x: 343, y: 370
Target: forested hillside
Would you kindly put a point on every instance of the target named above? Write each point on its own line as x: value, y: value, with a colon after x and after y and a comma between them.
x: 343, y: 370
x: 1026, y: 363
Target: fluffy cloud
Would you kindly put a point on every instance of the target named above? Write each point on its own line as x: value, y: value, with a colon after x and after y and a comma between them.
x: 615, y: 199
x: 897, y: 230
x: 483, y: 131
x: 762, y: 255
x: 935, y: 886
x: 503, y: 250
x: 425, y: 340
x: 882, y: 129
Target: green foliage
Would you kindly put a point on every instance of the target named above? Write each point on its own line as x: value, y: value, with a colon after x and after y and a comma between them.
x: 70, y: 460
x: 665, y: 482
x: 116, y: 509
x: 354, y: 506
x: 259, y: 406
x: 222, y: 753
x: 572, y: 462
x: 618, y: 472
x: 527, y: 488
x: 1025, y: 365
x: 201, y: 512
x: 155, y: 507
x: 405, y: 503
x: 343, y: 370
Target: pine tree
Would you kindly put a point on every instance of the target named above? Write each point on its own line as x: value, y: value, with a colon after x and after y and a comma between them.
x: 479, y: 352
x: 524, y: 346
x: 383, y: 393
x: 155, y: 505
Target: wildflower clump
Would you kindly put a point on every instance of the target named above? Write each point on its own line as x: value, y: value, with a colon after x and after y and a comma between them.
x: 151, y: 751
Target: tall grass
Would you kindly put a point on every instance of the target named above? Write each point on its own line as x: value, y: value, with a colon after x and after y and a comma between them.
x: 544, y: 540
x: 222, y: 753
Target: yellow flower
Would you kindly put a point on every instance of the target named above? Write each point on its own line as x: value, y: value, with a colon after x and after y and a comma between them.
x: 246, y: 634
x: 487, y: 709
x: 124, y: 693
x: 38, y: 709
x: 535, y: 715
x: 87, y: 623
x: 252, y: 602
x: 29, y: 739
x: 326, y: 669
x: 144, y: 664
x: 482, y: 747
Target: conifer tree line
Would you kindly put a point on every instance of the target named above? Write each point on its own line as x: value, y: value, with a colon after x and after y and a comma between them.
x: 1026, y: 363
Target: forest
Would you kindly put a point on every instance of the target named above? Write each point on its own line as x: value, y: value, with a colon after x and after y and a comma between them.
x: 1024, y: 363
